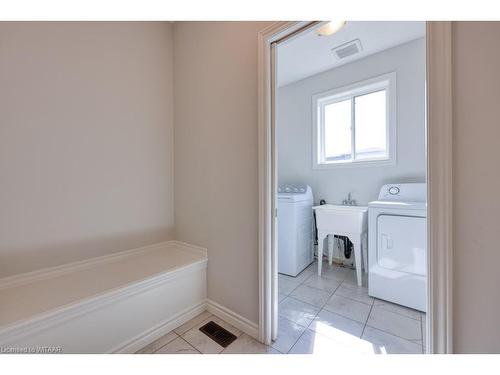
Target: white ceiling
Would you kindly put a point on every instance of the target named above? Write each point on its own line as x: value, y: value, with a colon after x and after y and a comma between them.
x: 309, y: 54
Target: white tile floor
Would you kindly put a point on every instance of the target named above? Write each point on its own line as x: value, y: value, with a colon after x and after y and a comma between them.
x: 327, y: 314
x: 188, y: 339
x: 336, y: 314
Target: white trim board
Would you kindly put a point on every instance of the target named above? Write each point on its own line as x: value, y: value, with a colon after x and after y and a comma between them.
x: 49, y: 272
x: 268, y: 287
x: 439, y: 141
x: 222, y: 312
x: 229, y: 316
x: 150, y: 335
x: 439, y: 188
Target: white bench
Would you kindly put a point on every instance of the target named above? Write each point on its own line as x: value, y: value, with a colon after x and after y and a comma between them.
x: 115, y: 303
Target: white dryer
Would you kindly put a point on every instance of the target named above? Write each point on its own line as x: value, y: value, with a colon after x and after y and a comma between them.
x: 397, y: 245
x: 295, y: 228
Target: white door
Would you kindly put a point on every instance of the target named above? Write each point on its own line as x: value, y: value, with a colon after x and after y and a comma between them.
x: 402, y: 243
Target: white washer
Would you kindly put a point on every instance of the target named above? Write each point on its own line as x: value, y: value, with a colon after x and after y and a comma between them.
x: 397, y: 250
x: 295, y: 228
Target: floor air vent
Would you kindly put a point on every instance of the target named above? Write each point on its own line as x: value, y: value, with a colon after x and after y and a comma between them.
x: 220, y: 335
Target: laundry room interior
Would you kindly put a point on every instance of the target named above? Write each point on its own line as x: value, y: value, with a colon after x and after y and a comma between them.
x: 351, y: 195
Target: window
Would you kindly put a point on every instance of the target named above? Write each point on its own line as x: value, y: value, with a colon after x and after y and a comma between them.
x: 355, y: 125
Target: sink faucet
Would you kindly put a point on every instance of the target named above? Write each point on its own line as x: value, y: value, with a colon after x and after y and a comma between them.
x: 349, y: 201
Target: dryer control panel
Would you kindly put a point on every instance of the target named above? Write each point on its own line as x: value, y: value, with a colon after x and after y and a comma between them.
x: 414, y: 192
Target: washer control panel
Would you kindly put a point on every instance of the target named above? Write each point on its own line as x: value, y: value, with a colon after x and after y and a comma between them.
x: 292, y: 189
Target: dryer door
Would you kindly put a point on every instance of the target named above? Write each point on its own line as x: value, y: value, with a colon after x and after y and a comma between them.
x: 402, y: 243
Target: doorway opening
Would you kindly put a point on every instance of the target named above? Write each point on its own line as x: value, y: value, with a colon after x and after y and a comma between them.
x: 348, y: 128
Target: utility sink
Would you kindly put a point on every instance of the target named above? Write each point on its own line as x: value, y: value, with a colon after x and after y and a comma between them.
x: 349, y: 221
x: 340, y: 219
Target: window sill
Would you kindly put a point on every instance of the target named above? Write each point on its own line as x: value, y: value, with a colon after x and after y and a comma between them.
x: 355, y: 164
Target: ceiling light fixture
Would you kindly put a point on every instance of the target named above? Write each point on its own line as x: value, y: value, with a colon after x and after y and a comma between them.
x: 330, y: 28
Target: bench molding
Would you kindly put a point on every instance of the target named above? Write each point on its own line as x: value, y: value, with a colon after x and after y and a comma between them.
x: 49, y: 272
x: 160, y: 302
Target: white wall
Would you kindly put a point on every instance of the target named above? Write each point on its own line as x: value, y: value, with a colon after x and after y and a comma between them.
x: 294, y: 126
x: 216, y: 183
x: 86, y: 143
x: 476, y: 187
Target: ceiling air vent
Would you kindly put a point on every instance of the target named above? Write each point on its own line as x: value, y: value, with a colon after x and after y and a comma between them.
x: 347, y: 49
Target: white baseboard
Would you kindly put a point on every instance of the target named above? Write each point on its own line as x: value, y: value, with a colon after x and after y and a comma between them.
x: 147, y: 337
x: 229, y: 316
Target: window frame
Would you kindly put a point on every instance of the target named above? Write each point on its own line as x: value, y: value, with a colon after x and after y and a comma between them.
x: 319, y: 101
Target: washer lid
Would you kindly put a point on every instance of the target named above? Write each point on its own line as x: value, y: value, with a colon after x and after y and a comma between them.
x: 398, y: 205
x: 294, y: 193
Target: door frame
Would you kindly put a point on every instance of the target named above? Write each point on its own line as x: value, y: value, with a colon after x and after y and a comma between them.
x: 439, y: 181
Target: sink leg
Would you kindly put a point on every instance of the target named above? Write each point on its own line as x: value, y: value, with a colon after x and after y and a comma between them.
x: 330, y: 249
x: 357, y: 259
x: 321, y: 243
